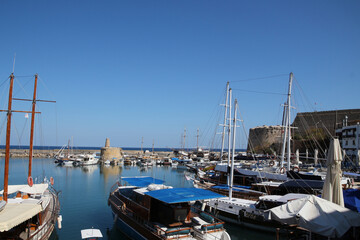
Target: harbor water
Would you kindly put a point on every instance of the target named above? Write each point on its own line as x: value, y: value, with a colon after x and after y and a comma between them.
x: 84, y: 192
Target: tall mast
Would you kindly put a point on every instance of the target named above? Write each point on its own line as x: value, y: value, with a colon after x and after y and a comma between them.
x: 224, y: 125
x: 287, y: 133
x: 142, y: 142
x: 233, y: 151
x: 69, y: 148
x: 32, y: 127
x: 284, y: 126
x: 197, y: 140
x: 288, y: 121
x: 229, y: 138
x: 153, y: 146
x: 184, y: 138
x: 7, y: 149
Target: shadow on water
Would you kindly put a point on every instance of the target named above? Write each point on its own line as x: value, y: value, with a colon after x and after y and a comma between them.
x: 114, y: 233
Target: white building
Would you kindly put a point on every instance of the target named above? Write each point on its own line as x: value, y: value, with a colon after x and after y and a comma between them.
x: 350, y: 140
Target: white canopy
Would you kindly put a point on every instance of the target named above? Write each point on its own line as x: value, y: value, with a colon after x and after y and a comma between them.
x: 265, y: 175
x: 15, y: 213
x: 35, y: 189
x: 91, y: 233
x: 332, y: 189
x: 284, y: 199
x: 316, y: 215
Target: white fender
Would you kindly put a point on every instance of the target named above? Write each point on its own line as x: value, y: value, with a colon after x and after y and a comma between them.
x: 59, y: 220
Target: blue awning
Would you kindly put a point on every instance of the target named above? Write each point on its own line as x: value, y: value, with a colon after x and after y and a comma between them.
x: 142, y: 181
x: 179, y: 195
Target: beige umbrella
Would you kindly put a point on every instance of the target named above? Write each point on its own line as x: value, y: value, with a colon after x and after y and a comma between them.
x: 332, y: 190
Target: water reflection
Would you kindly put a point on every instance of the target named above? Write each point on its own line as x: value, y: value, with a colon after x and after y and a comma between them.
x: 85, y: 191
x: 89, y: 169
x: 109, y: 172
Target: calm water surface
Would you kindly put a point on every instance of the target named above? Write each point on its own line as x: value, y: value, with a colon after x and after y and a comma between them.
x: 84, y: 193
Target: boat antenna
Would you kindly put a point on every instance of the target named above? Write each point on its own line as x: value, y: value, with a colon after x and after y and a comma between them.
x: 14, y: 63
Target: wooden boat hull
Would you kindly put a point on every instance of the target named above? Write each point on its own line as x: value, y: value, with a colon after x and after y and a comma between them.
x: 127, y: 225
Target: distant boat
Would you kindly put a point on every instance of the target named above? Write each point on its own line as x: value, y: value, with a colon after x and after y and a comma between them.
x: 28, y: 211
x: 147, y: 209
x: 85, y: 160
x: 63, y: 156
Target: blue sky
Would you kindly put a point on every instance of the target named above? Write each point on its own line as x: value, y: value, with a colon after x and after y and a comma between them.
x: 132, y: 69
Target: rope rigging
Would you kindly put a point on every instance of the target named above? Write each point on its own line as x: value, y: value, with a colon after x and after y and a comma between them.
x: 260, y: 92
x: 260, y: 78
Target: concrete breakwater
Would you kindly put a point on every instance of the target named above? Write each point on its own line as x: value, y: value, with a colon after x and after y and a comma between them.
x: 43, y: 153
x: 50, y: 153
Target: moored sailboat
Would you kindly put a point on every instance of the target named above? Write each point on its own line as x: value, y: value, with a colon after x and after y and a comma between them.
x: 28, y: 211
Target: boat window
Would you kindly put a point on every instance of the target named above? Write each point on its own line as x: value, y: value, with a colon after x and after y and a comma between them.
x: 230, y: 207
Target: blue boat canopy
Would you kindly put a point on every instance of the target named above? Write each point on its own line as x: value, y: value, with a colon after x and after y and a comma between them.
x: 142, y: 181
x: 181, y: 160
x: 180, y: 195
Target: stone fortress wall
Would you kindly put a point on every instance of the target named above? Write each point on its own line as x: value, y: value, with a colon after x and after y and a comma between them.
x: 265, y: 137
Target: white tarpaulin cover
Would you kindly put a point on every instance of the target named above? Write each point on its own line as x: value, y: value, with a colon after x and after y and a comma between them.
x: 316, y: 215
x: 91, y: 233
x: 259, y: 174
x: 332, y: 189
x: 35, y: 189
x: 15, y: 213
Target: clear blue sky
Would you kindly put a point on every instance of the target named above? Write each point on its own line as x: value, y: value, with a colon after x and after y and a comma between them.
x: 132, y: 69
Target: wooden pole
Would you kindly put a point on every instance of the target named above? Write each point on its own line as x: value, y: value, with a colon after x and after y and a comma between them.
x: 7, y: 149
x: 32, y: 127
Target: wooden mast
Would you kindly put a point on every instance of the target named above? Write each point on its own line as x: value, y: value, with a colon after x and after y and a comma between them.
x: 32, y: 127
x: 8, y: 130
x: 7, y: 149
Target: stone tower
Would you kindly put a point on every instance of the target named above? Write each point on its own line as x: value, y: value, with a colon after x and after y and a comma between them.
x: 107, y: 143
x: 110, y: 153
